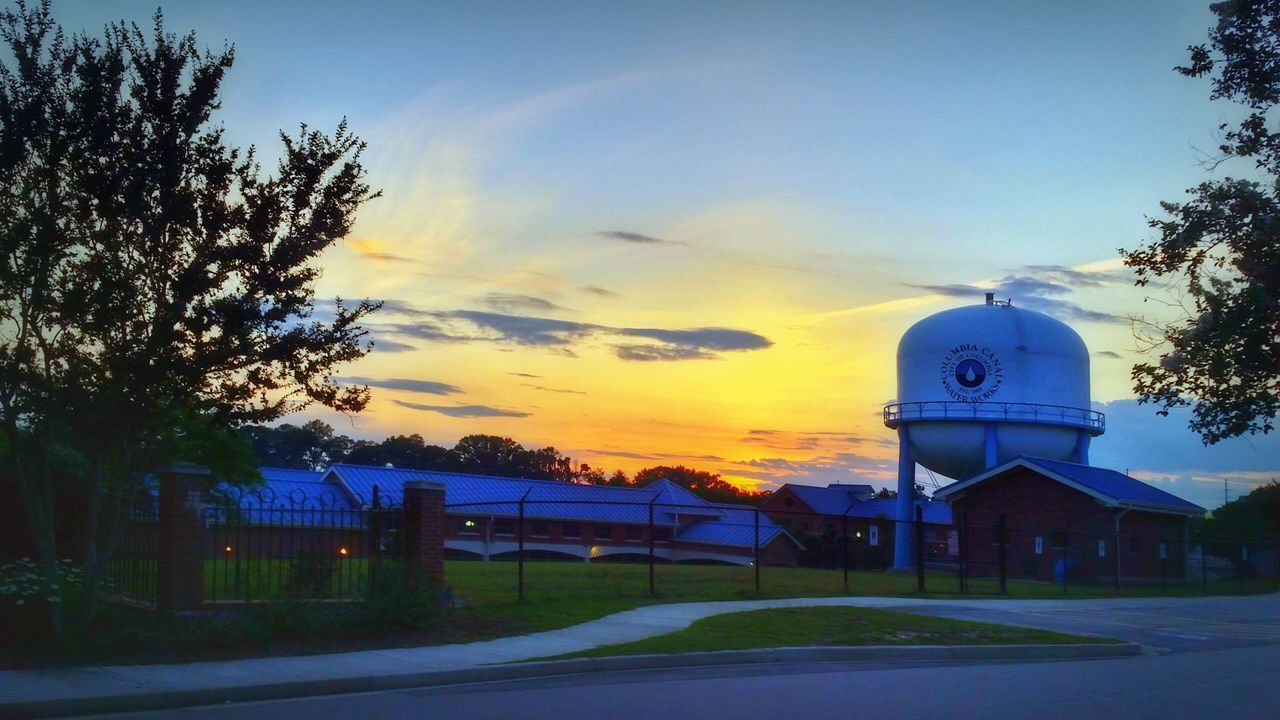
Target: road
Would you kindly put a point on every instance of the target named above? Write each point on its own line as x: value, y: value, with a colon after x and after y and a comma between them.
x: 1234, y: 683
x: 1208, y: 657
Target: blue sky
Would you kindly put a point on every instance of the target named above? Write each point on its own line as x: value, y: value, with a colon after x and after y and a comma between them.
x: 815, y: 175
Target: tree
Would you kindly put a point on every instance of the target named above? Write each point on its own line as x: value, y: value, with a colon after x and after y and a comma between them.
x: 885, y: 493
x: 1221, y: 357
x: 402, y: 451
x: 1255, y: 516
x: 156, y: 286
x: 706, y: 485
x: 310, y: 446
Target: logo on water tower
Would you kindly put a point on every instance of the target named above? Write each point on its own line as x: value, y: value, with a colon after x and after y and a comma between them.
x: 971, y: 373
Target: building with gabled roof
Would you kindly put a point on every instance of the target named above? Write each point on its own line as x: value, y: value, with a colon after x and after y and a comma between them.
x: 1069, y: 518
x: 824, y: 514
x: 587, y: 522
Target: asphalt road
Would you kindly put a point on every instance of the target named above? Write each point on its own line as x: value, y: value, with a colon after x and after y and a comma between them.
x: 1234, y: 683
x: 1209, y: 658
x: 1161, y: 624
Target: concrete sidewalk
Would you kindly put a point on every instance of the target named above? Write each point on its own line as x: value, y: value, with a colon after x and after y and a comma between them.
x: 49, y: 691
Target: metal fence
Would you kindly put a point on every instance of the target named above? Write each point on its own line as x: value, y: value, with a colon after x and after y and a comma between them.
x: 263, y: 546
x: 131, y: 573
x: 778, y: 552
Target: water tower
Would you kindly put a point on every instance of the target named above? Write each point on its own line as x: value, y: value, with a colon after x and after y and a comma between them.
x: 981, y: 385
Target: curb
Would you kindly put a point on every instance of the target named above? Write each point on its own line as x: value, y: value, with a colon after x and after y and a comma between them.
x: 156, y: 700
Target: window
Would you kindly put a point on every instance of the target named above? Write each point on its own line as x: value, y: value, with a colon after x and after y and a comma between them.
x: 538, y: 528
x: 604, y: 533
x: 788, y: 501
x: 1058, y: 539
x: 873, y: 532
x: 572, y: 531
x: 1134, y: 544
x: 662, y: 534
x: 504, y: 527
x: 470, y: 526
x: 633, y: 534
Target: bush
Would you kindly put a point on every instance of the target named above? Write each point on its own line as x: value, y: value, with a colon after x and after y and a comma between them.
x: 310, y: 574
x: 26, y: 597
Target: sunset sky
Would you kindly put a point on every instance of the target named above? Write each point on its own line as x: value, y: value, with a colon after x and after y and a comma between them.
x: 692, y: 233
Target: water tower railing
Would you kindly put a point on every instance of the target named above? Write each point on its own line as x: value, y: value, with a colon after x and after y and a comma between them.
x: 1038, y: 413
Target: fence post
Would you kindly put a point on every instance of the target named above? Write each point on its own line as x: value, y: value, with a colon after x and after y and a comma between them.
x: 1004, y: 541
x: 652, y: 588
x: 844, y: 549
x: 520, y: 550
x: 1066, y: 564
x: 1116, y: 562
x: 1204, y: 569
x: 184, y: 494
x: 1241, y: 559
x: 424, y: 531
x: 756, y: 549
x: 962, y: 536
x: 919, y: 548
x: 1275, y: 579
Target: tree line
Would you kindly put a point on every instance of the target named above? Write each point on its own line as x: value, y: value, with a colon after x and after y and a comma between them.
x: 315, y: 445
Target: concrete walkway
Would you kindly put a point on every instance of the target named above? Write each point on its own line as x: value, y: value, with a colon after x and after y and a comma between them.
x: 382, y: 667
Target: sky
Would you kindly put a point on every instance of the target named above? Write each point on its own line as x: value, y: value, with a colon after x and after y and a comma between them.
x: 692, y: 233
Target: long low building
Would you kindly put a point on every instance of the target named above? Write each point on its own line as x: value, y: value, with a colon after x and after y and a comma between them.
x: 567, y: 520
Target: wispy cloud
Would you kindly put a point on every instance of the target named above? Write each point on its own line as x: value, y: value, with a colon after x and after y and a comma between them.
x: 621, y: 454
x: 524, y: 374
x: 636, y: 238
x: 1112, y: 355
x: 513, y: 302
x: 1042, y: 291
x: 553, y: 390
x: 391, y: 346
x: 429, y: 387
x: 598, y: 291
x: 464, y: 411
x: 559, y: 335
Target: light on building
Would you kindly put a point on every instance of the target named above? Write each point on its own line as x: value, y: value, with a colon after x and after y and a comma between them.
x: 470, y: 523
x: 227, y: 548
x: 342, y: 551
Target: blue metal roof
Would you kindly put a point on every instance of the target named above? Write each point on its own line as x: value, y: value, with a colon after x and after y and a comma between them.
x: 937, y: 513
x: 841, y: 499
x: 736, y: 527
x: 825, y: 500
x: 1116, y: 485
x: 491, y: 495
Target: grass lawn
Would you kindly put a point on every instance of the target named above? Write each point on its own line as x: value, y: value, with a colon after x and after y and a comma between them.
x: 558, y: 594
x: 828, y: 626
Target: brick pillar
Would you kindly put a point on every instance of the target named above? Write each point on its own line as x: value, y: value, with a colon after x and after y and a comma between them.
x: 184, y: 492
x: 424, y: 531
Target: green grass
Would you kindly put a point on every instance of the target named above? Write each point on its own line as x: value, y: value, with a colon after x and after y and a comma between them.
x: 558, y: 594
x: 828, y: 626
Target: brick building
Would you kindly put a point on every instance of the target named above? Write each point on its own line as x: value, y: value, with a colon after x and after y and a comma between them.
x: 825, y: 514
x: 592, y: 523
x: 1087, y: 522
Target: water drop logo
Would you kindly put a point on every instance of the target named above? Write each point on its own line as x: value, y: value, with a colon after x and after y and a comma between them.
x: 970, y: 373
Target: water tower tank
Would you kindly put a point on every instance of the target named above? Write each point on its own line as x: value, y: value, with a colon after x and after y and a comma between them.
x: 983, y: 384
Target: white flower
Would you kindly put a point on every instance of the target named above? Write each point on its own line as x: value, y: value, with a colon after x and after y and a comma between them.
x: 54, y: 599
x: 22, y: 602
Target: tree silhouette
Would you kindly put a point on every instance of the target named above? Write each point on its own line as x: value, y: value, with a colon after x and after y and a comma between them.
x: 156, y: 285
x: 1222, y: 247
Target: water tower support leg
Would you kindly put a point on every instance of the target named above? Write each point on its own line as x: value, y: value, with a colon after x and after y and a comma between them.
x: 990, y: 444
x: 904, y: 511
x: 1082, y: 447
